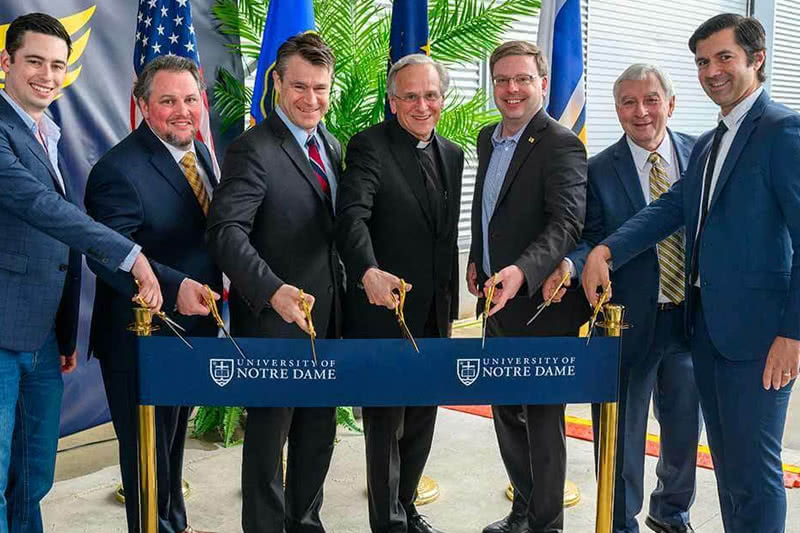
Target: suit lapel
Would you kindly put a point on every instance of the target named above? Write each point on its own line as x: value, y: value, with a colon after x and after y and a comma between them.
x: 406, y: 159
x: 693, y: 193
x: 297, y: 156
x: 10, y: 115
x: 742, y: 135
x: 204, y: 156
x: 332, y: 149
x: 682, y: 150
x: 165, y: 164
x: 628, y: 174
x: 527, y: 142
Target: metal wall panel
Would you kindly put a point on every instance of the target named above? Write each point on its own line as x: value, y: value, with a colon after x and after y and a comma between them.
x: 785, y: 59
x: 622, y: 32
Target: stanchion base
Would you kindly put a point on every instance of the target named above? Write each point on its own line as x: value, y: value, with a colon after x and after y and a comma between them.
x: 119, y: 494
x: 572, y: 495
x: 427, y: 491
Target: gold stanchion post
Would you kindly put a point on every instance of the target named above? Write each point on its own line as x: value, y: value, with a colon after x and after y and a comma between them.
x: 148, y: 504
x: 613, y: 324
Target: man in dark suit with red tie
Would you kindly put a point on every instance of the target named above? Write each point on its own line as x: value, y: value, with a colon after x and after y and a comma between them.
x: 271, y: 230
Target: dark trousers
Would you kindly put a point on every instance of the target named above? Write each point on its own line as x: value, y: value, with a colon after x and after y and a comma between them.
x: 171, y: 422
x: 745, y: 426
x: 266, y: 506
x: 533, y: 447
x: 664, y: 371
x: 398, y: 442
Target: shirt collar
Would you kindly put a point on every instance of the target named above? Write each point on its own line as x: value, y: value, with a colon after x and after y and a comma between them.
x: 49, y: 128
x: 300, y: 135
x: 497, y: 136
x: 177, y: 153
x: 640, y: 155
x: 738, y: 113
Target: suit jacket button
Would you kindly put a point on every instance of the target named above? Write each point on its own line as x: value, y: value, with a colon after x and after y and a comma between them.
x: 63, y: 267
x: 330, y: 289
x: 105, y: 260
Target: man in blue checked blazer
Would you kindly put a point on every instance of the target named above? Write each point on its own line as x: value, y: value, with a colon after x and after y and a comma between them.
x: 739, y: 201
x: 42, y: 236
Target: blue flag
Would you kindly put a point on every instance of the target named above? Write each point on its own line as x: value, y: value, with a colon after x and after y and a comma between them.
x: 285, y: 19
x: 93, y: 112
x: 409, y: 33
x: 560, y: 38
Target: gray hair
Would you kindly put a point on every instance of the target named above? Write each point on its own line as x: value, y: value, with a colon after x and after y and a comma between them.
x: 144, y: 83
x: 416, y: 59
x: 640, y: 71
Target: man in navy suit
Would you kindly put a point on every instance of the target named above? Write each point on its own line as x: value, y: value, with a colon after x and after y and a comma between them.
x: 155, y: 188
x: 42, y: 235
x: 623, y: 179
x: 739, y: 201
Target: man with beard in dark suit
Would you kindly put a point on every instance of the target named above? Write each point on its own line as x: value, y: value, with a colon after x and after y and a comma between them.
x: 397, y: 217
x: 527, y: 214
x: 271, y: 230
x: 154, y: 187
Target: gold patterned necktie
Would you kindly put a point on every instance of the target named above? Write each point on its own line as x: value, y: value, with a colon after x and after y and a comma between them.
x: 670, y: 250
x: 189, y: 167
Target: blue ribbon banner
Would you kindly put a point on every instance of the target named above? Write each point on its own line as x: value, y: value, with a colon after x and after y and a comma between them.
x: 377, y: 372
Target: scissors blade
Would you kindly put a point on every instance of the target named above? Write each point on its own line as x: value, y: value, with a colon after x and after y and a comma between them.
x: 542, y: 306
x: 235, y: 344
x: 163, y: 316
x: 169, y: 324
x: 407, y: 333
x: 313, y: 349
x: 603, y: 299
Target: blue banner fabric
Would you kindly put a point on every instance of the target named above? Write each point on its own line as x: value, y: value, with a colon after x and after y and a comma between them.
x: 378, y: 372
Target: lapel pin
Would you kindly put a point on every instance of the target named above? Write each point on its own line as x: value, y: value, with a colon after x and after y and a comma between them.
x: 531, y: 139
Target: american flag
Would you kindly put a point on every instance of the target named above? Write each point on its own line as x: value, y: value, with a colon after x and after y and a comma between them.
x: 164, y: 27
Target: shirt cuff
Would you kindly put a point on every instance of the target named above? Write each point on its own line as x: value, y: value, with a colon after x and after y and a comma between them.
x: 127, y: 264
x: 573, y: 273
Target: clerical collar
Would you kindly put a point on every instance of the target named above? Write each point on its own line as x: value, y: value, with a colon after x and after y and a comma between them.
x: 424, y: 144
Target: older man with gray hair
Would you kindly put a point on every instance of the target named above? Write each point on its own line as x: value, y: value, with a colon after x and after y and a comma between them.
x: 656, y: 361
x: 397, y: 212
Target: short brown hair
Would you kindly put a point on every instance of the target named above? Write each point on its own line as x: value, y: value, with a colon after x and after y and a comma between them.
x: 519, y: 48
x: 144, y: 83
x: 310, y: 47
x: 748, y: 32
x: 36, y: 23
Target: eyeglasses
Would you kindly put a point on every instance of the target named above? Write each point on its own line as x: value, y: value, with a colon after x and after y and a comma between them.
x: 413, y: 98
x: 521, y: 80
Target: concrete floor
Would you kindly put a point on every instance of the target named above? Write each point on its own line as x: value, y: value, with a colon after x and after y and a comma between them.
x: 464, y: 461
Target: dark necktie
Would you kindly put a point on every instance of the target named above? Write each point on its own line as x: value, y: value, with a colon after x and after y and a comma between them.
x: 706, y: 199
x: 317, y: 165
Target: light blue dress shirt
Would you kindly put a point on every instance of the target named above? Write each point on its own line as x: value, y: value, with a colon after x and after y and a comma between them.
x: 503, y: 152
x: 301, y: 136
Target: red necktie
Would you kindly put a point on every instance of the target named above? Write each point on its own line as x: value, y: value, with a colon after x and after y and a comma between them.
x: 317, y: 165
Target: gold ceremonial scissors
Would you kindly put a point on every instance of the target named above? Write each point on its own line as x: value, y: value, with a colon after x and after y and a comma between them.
x: 600, y: 303
x: 171, y: 324
x: 311, y: 331
x: 212, y: 306
x: 487, y: 305
x: 545, y: 304
x: 401, y: 319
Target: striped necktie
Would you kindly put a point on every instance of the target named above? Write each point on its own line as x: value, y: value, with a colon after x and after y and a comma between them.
x: 189, y: 167
x: 670, y: 250
x: 317, y: 165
